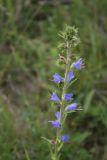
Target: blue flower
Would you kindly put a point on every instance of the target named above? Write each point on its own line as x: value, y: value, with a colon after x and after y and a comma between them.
x: 70, y: 76
x: 57, y: 78
x: 65, y: 138
x: 57, y: 115
x: 72, y: 107
x: 54, y: 97
x: 56, y: 124
x: 78, y: 64
x: 68, y: 96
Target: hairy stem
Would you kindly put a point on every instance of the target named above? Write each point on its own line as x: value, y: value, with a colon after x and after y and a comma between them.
x: 62, y: 108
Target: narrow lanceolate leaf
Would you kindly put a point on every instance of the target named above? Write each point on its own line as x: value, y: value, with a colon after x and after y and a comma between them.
x: 27, y: 155
x: 47, y: 140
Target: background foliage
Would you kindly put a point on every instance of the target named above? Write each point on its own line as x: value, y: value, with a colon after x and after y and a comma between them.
x: 28, y: 53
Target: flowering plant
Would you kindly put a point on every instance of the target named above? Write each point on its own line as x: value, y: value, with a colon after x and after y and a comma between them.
x: 70, y: 41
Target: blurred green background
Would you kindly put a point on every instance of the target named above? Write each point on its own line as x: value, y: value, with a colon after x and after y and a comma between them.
x: 28, y: 53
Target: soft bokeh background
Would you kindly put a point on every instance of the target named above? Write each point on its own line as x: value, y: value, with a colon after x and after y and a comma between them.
x: 28, y: 52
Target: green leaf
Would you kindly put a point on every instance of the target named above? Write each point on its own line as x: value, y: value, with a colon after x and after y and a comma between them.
x: 27, y: 155
x: 80, y: 137
x: 88, y: 100
x: 47, y: 140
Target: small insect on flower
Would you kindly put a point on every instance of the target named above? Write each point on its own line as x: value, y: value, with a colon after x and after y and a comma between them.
x: 65, y: 138
x: 54, y: 97
x: 72, y: 107
x: 79, y: 64
x: 70, y: 76
x: 68, y: 96
x: 57, y: 78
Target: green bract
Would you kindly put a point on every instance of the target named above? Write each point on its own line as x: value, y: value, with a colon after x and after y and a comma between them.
x: 70, y: 34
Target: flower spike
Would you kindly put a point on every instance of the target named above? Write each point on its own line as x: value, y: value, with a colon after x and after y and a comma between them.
x: 66, y: 48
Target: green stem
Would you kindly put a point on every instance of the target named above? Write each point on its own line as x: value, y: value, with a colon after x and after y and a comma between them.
x: 62, y: 108
x: 65, y: 82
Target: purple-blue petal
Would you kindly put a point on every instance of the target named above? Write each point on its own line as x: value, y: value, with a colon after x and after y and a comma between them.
x: 65, y: 138
x: 56, y: 124
x: 72, y: 106
x: 57, y: 78
x: 68, y: 96
x: 57, y: 114
x: 78, y: 64
x: 54, y: 97
x: 70, y: 76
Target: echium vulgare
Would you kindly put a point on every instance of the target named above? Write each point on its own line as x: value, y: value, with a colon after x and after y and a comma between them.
x: 65, y: 102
